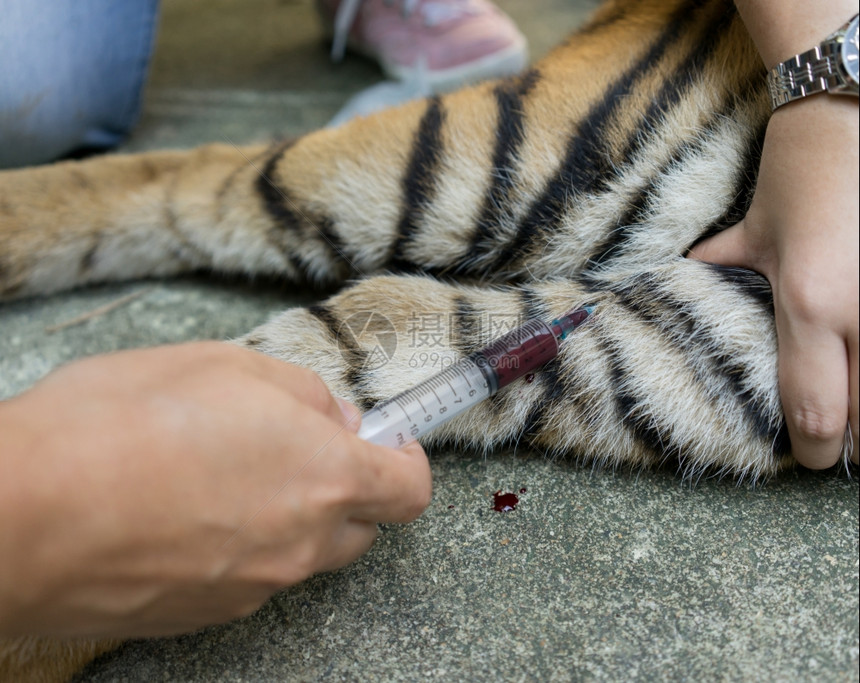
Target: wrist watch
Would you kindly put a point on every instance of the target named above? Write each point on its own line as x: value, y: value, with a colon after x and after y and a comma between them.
x: 830, y: 67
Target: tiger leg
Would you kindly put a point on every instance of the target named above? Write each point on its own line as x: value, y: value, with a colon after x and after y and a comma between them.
x: 254, y: 210
x: 328, y: 206
x: 527, y: 177
x: 46, y: 660
x: 121, y: 217
x: 698, y: 386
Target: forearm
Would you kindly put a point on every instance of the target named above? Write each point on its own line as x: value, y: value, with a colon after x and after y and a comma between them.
x: 822, y: 129
x: 784, y: 28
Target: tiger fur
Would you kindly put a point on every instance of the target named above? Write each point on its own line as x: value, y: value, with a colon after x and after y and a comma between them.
x: 584, y: 180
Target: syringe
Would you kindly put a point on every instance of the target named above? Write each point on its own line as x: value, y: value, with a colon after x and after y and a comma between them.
x: 414, y: 412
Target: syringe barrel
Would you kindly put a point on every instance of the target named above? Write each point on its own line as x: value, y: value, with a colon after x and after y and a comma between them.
x: 518, y: 352
x: 414, y: 412
x: 436, y: 400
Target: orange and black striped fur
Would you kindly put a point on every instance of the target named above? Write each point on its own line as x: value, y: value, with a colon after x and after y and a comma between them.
x: 585, y: 179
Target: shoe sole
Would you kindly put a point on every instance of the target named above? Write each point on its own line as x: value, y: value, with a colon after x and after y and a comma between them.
x: 496, y: 65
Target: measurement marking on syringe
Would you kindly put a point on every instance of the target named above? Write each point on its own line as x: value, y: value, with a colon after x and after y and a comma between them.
x: 399, y: 405
x: 466, y: 377
x: 439, y: 382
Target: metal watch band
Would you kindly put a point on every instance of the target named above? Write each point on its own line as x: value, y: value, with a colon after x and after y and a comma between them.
x: 808, y: 73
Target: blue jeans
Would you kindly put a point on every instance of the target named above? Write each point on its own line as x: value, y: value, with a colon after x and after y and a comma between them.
x: 71, y: 74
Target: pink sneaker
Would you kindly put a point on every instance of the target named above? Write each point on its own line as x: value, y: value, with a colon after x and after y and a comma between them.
x: 444, y: 42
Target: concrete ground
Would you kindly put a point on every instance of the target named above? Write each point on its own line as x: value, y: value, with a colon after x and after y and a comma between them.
x: 596, y: 575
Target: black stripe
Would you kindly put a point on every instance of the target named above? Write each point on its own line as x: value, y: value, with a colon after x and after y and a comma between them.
x: 554, y: 390
x: 691, y: 336
x: 273, y: 196
x: 279, y: 205
x: 600, y: 20
x: 531, y: 304
x: 748, y: 282
x: 558, y: 387
x: 333, y: 243
x: 627, y: 404
x: 510, y: 132
x: 467, y: 336
x: 419, y: 182
x: 678, y: 84
x: 744, y: 188
x: 354, y: 356
x: 782, y: 441
x: 221, y: 194
x: 587, y: 163
x: 639, y: 206
x: 333, y: 325
x: 275, y: 238
x: 284, y: 217
x: 466, y: 328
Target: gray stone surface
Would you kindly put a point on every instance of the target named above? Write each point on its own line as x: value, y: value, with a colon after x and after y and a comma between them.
x: 596, y: 575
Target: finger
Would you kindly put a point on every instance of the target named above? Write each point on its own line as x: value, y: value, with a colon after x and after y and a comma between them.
x: 853, y: 381
x: 304, y: 550
x: 309, y: 388
x: 727, y: 248
x: 813, y: 381
x: 351, y: 540
x: 394, y: 485
x: 351, y: 414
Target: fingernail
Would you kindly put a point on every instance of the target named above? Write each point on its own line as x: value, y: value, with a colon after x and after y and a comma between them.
x: 351, y: 413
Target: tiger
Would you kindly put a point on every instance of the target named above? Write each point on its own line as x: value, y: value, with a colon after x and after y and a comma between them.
x: 584, y: 180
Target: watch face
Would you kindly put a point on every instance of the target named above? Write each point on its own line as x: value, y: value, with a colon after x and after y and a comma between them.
x: 851, y: 51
